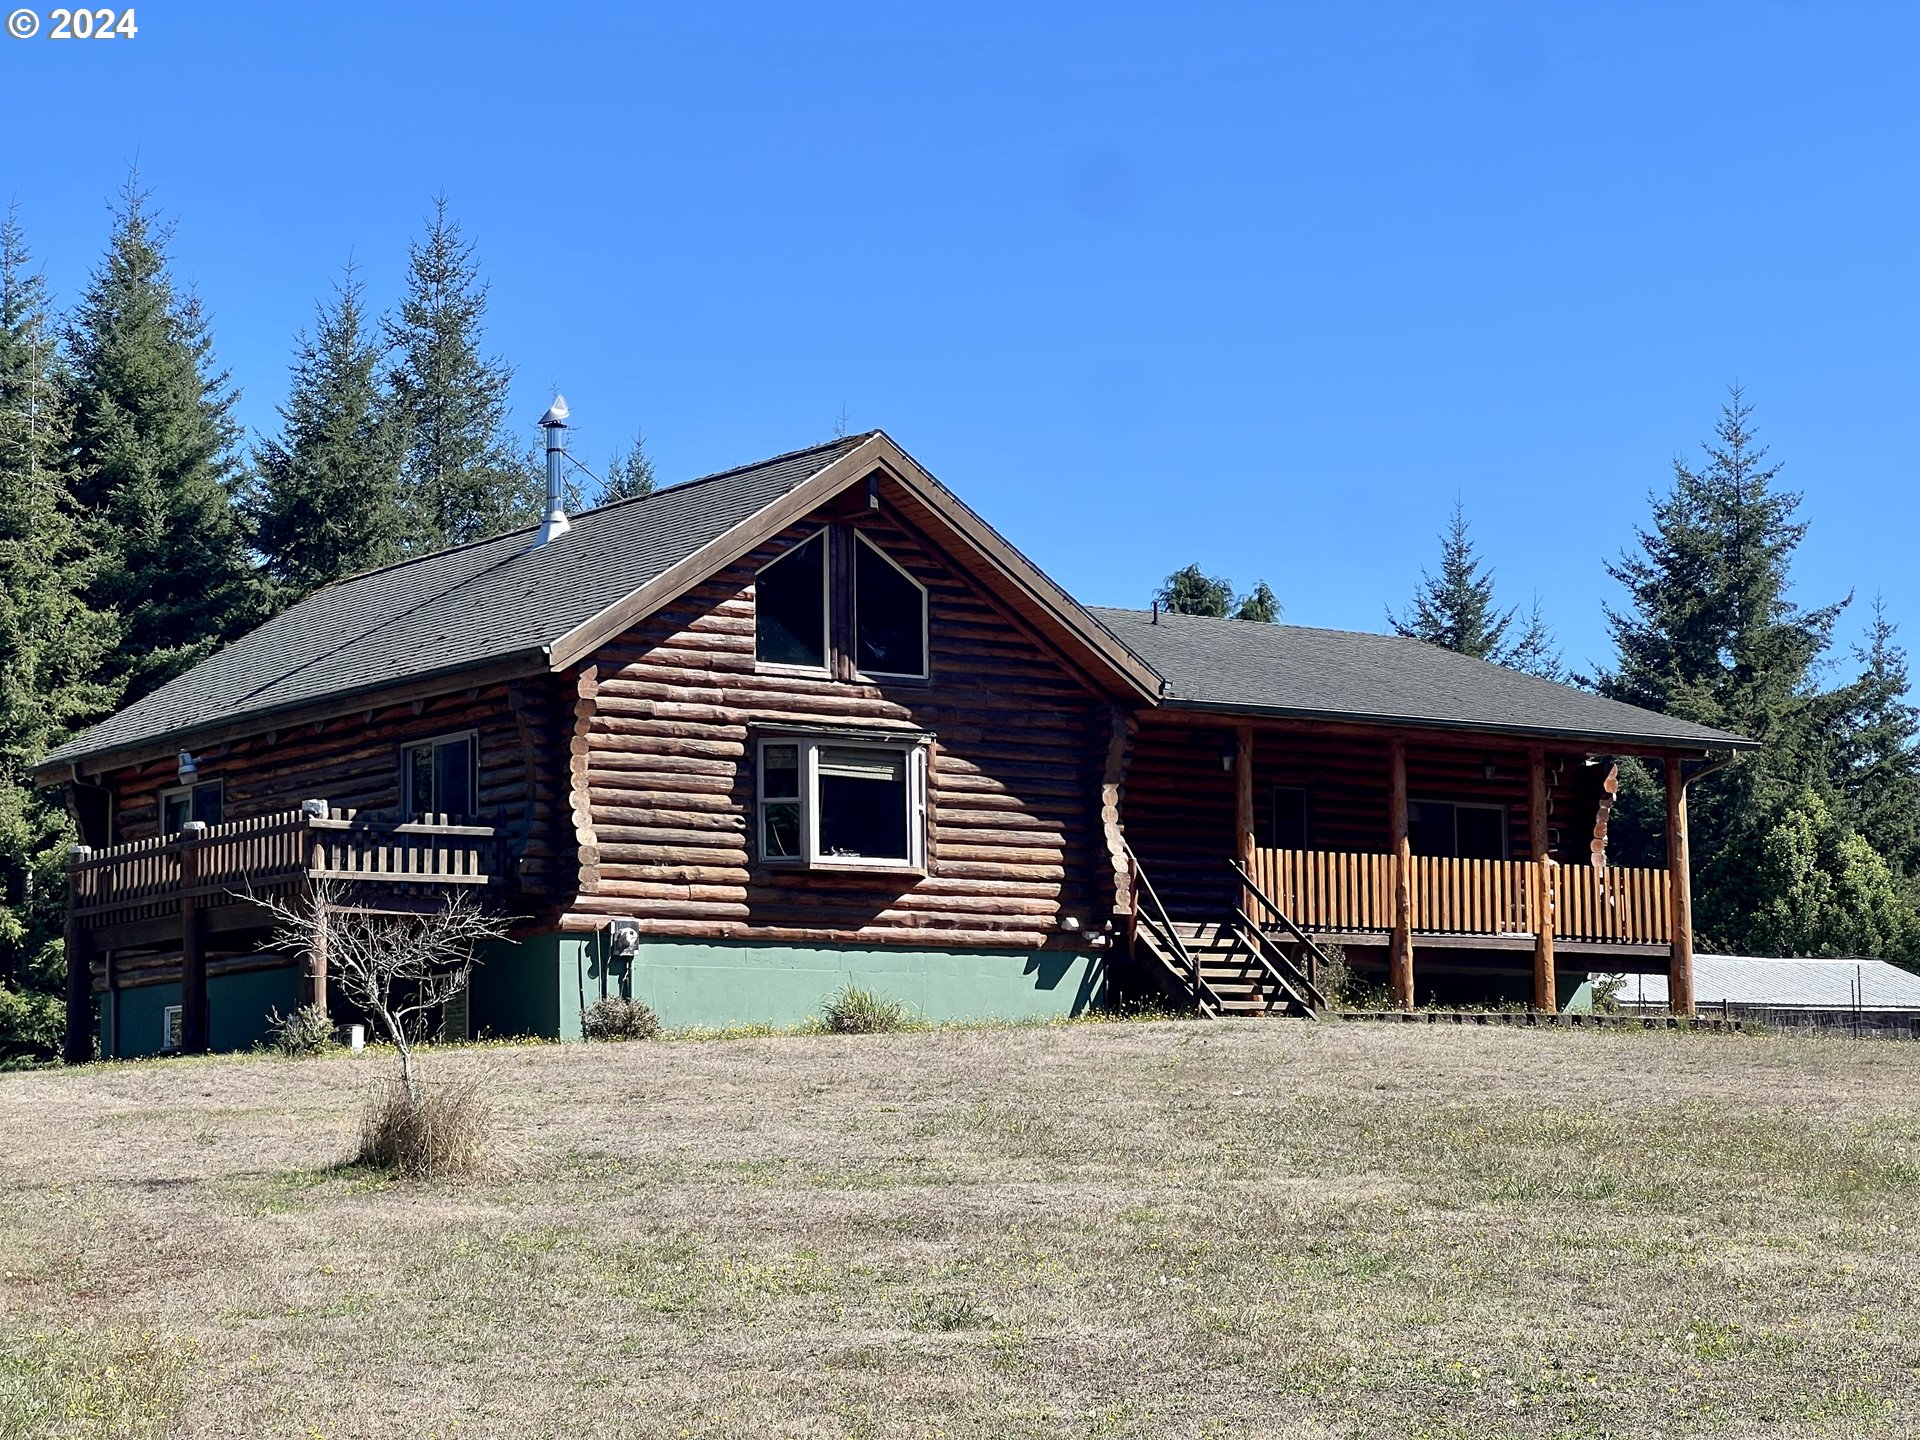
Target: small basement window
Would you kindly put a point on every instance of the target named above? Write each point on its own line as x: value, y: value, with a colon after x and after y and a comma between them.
x: 200, y: 802
x: 442, y: 777
x: 890, y: 615
x: 171, y: 1027
x: 828, y: 803
x: 790, y: 606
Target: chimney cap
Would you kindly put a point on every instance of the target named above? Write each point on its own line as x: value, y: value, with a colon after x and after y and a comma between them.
x: 557, y: 412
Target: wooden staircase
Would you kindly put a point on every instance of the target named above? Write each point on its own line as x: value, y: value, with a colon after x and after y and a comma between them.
x: 1232, y: 965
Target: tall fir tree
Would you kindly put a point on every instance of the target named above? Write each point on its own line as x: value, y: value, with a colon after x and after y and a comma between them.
x: 1191, y: 591
x: 151, y: 459
x: 52, y: 645
x: 463, y: 478
x: 1711, y: 633
x: 325, y: 499
x: 1873, y: 738
x: 629, y: 475
x: 1456, y: 610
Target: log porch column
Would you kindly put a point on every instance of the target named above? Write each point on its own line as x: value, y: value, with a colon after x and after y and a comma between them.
x: 193, y: 949
x: 313, y: 983
x: 1400, y: 951
x: 1540, y: 850
x: 1679, y: 893
x: 78, y: 1049
x: 1243, y: 807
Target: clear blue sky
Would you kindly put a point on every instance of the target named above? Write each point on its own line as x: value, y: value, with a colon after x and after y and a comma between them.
x: 1262, y: 286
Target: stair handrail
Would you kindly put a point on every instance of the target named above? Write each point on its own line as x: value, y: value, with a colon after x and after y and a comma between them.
x: 1273, y: 908
x: 1266, y: 951
x: 1159, y: 923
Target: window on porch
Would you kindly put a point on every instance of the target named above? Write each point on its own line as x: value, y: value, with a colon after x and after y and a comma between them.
x: 441, y: 776
x: 1464, y: 832
x: 200, y: 802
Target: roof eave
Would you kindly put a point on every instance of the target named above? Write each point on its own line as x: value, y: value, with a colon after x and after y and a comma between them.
x: 1613, y: 741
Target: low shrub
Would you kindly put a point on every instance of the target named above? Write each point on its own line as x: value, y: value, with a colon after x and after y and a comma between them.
x: 853, y: 1011
x: 307, y: 1031
x: 440, y: 1132
x: 615, y: 1018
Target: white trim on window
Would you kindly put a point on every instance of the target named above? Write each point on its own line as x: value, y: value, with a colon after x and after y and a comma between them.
x: 825, y: 667
x: 172, y: 1026
x: 808, y: 748
x: 174, y: 792
x: 452, y: 737
x: 926, y: 607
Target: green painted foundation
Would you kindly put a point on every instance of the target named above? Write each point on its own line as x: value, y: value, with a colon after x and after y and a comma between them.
x: 540, y: 985
x: 133, y: 1020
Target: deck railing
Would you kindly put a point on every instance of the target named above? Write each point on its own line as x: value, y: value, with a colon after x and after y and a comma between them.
x: 1336, y: 891
x: 264, y: 855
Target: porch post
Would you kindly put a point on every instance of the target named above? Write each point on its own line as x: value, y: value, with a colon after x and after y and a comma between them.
x: 1540, y: 851
x: 1400, y: 951
x: 1243, y: 806
x: 313, y: 986
x: 1679, y: 894
x: 78, y: 1047
x: 193, y: 950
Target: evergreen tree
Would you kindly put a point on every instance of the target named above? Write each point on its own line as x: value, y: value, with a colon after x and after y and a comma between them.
x: 326, y: 499
x: 1455, y: 610
x: 151, y: 459
x: 463, y: 478
x: 1711, y: 633
x: 1194, y: 592
x: 52, y: 644
x: 1826, y: 891
x: 1874, y: 742
x: 629, y: 474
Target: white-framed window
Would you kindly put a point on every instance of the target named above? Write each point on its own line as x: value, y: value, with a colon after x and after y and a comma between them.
x: 1468, y: 831
x: 170, y: 1027
x: 790, y: 606
x: 202, y: 802
x: 889, y: 615
x: 441, y: 776
x: 829, y: 801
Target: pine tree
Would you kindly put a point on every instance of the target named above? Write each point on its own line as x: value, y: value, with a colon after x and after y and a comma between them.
x: 1456, y: 611
x: 326, y: 498
x: 52, y: 645
x: 1711, y: 633
x: 1874, y: 744
x: 629, y: 474
x: 151, y: 459
x: 1192, y: 591
x: 463, y: 479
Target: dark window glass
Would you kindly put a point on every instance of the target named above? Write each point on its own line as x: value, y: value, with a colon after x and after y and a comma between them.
x: 207, y: 802
x: 1480, y: 832
x: 453, y: 778
x: 420, y: 780
x: 1289, y: 818
x: 863, y: 803
x: 789, y: 606
x: 175, y: 811
x: 890, y: 617
x: 780, y: 797
x: 1430, y: 827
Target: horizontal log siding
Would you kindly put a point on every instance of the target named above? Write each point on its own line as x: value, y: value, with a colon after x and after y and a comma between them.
x: 1014, y: 778
x: 1180, y: 803
x: 354, y: 763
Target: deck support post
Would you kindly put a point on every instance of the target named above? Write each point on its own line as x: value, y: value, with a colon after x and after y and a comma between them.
x: 78, y: 1046
x: 1243, y: 807
x: 1540, y: 851
x: 1679, y: 894
x: 1400, y: 951
x: 193, y: 949
x: 313, y: 982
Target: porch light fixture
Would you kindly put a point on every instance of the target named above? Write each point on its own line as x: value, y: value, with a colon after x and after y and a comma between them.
x: 1227, y: 750
x: 1489, y: 770
x: 189, y: 767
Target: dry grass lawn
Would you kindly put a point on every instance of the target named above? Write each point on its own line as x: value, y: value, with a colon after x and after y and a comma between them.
x: 1171, y: 1229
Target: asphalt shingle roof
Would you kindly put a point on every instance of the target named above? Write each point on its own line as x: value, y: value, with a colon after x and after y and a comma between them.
x: 1794, y: 984
x: 486, y: 601
x: 1344, y: 674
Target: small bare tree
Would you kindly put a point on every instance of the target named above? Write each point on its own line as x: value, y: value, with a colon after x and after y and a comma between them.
x: 396, y: 967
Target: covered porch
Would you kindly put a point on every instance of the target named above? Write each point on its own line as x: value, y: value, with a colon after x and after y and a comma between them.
x: 1485, y: 851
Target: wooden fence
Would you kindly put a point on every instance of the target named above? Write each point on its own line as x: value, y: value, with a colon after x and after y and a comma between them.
x: 1327, y: 890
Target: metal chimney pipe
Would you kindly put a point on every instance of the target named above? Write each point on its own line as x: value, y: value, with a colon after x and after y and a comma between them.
x: 555, y: 424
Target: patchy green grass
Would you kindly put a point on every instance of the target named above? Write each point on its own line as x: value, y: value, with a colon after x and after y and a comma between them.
x: 1165, y: 1229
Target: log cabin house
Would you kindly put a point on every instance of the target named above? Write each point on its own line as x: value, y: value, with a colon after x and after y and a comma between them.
x: 732, y: 745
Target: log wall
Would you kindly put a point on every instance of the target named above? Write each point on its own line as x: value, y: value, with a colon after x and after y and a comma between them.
x: 1015, y: 776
